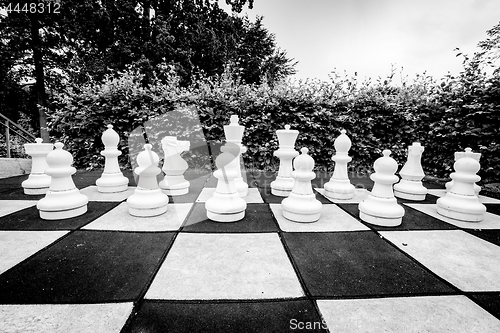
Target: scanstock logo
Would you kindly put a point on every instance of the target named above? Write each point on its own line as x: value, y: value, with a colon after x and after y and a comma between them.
x: 174, y: 147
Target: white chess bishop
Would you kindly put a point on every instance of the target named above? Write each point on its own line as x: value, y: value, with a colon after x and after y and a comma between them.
x: 147, y: 199
x: 283, y: 184
x: 174, y: 166
x: 459, y: 155
x: 63, y: 200
x: 234, y: 133
x: 38, y: 182
x: 112, y: 179
x: 301, y: 205
x: 461, y: 202
x: 339, y: 187
x: 410, y: 186
x: 381, y: 207
x: 226, y: 204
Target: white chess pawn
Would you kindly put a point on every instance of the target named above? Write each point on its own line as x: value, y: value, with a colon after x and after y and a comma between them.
x: 38, y: 182
x: 174, y: 166
x: 410, y: 186
x: 301, y: 205
x: 461, y: 202
x: 147, y: 199
x: 226, y: 204
x: 283, y: 184
x: 459, y: 155
x: 112, y: 179
x: 381, y: 207
x: 63, y: 200
x: 234, y: 133
x: 339, y: 187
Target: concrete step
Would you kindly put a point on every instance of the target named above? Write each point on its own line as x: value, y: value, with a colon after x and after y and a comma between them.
x: 10, y: 167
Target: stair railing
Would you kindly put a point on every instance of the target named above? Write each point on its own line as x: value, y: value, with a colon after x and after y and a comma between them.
x: 15, y: 128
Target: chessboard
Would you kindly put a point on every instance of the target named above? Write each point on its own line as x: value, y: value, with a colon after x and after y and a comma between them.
x: 107, y: 271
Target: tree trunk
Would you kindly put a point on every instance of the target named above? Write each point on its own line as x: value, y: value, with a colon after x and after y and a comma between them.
x: 39, y: 77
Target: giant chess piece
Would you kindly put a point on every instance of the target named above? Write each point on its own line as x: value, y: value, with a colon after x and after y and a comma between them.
x: 381, y: 207
x: 63, y: 200
x: 174, y: 166
x: 301, y: 205
x: 283, y: 184
x: 459, y: 155
x: 339, y: 187
x: 226, y: 204
x: 38, y: 182
x: 112, y: 179
x: 410, y: 186
x: 147, y: 199
x: 234, y: 134
x: 461, y: 202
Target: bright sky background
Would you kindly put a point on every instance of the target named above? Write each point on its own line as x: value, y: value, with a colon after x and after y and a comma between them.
x: 367, y: 36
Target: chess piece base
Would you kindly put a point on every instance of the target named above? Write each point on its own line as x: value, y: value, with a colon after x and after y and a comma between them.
x: 147, y: 202
x: 176, y: 192
x: 174, y: 185
x: 381, y: 211
x: 36, y: 184
x: 301, y: 208
x: 301, y: 218
x: 64, y: 214
x: 410, y: 190
x: 460, y: 207
x: 112, y: 183
x: 230, y: 217
x: 241, y: 187
x: 36, y: 191
x: 282, y: 186
x: 339, y: 189
x: 59, y: 205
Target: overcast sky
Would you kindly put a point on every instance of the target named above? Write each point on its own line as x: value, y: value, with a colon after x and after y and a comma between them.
x: 367, y: 36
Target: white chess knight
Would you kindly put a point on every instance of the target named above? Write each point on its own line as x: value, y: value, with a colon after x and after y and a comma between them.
x: 301, y: 205
x: 459, y: 155
x: 339, y: 187
x: 38, y: 182
x: 461, y: 202
x: 283, y: 184
x: 410, y: 186
x: 63, y: 200
x: 381, y: 207
x: 234, y: 133
x: 174, y: 166
x: 112, y: 179
x: 147, y: 199
x: 226, y: 204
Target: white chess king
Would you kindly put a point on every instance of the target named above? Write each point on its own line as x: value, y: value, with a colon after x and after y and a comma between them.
x: 410, y: 186
x: 301, y: 205
x: 461, y: 202
x: 38, y: 182
x: 63, y: 200
x: 147, y: 199
x: 112, y: 179
x: 339, y: 187
x: 174, y: 166
x: 283, y: 184
x: 381, y: 207
x: 234, y: 133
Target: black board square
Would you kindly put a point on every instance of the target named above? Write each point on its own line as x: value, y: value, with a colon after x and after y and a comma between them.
x: 358, y: 264
x: 490, y: 301
x: 87, y: 267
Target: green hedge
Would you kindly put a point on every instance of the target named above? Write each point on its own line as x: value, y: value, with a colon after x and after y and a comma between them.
x: 444, y: 116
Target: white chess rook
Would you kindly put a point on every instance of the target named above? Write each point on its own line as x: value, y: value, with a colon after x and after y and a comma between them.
x: 226, y: 204
x: 174, y: 166
x: 339, y: 187
x: 381, y: 207
x: 461, y: 202
x: 147, y: 199
x: 63, y: 200
x: 112, y: 179
x: 38, y: 182
x: 301, y: 205
x: 283, y: 184
x: 234, y: 134
x: 459, y: 155
x: 410, y: 186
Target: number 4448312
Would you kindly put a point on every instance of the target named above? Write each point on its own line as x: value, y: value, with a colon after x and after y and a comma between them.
x: 41, y: 7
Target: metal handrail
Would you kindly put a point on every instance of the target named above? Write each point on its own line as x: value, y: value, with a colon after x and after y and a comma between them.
x: 8, y: 128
